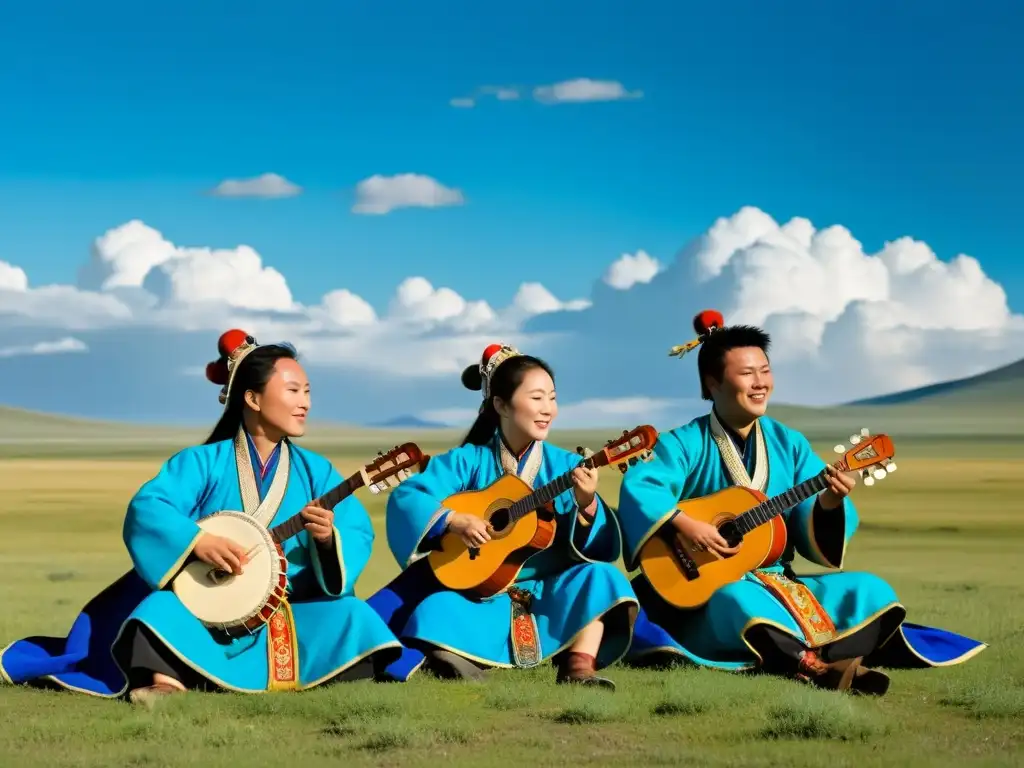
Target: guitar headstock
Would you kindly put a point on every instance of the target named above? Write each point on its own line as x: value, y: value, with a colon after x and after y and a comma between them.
x: 869, y: 455
x: 628, y: 448
x: 391, y: 468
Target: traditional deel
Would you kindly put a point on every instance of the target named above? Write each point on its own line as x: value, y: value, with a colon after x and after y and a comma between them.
x: 559, y: 591
x: 317, y: 634
x: 701, y: 458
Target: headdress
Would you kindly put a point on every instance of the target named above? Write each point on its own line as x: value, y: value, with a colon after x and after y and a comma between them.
x: 494, y: 356
x: 706, y: 323
x: 233, y: 347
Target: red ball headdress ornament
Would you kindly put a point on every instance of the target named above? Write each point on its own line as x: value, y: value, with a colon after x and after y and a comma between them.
x: 233, y: 346
x: 492, y: 357
x: 704, y: 324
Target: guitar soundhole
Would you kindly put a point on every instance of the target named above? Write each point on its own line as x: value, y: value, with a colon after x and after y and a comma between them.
x: 730, y: 533
x: 499, y: 520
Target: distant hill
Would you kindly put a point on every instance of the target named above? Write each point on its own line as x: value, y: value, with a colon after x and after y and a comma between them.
x: 1001, y: 385
x: 410, y: 422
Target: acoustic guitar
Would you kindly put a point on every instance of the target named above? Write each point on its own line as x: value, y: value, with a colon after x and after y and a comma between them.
x: 521, y: 522
x: 687, y: 577
x: 240, y: 604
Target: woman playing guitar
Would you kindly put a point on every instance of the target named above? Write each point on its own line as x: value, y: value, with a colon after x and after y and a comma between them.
x: 567, y: 603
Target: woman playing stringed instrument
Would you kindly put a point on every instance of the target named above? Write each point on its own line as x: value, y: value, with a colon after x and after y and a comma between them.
x: 568, y: 603
x: 138, y: 636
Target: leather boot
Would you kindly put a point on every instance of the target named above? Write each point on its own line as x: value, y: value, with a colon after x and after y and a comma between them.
x: 581, y: 669
x: 844, y: 675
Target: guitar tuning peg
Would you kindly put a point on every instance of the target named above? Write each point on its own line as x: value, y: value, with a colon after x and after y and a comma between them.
x: 864, y: 431
x: 868, y: 479
x: 854, y: 439
x: 840, y: 449
x: 879, y: 474
x: 890, y: 467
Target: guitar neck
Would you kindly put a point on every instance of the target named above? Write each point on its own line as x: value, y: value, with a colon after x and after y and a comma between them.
x: 546, y: 493
x: 329, y: 500
x: 776, y: 505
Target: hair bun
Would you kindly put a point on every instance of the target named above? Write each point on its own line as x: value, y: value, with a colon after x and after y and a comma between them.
x: 471, y: 378
x: 708, y: 320
x: 217, y: 372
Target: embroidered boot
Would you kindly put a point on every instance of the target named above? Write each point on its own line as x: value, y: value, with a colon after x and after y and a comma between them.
x: 451, y: 666
x: 581, y: 668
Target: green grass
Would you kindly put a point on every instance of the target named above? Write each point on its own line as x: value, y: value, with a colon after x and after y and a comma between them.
x: 946, y: 531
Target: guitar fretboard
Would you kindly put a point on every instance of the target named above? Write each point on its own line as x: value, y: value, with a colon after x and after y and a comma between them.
x: 545, y: 494
x: 776, y: 505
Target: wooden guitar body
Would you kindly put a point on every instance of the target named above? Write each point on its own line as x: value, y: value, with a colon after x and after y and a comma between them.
x: 494, y: 567
x: 662, y: 558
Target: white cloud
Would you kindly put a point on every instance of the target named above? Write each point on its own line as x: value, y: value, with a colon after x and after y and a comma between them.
x: 499, y: 92
x: 12, y: 278
x: 61, y: 346
x: 631, y: 269
x: 583, y: 89
x: 462, y: 103
x: 267, y: 185
x: 383, y: 194
x: 845, y: 324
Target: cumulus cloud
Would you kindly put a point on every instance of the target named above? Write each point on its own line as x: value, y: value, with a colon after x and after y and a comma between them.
x: 630, y: 269
x: 846, y: 324
x: 267, y: 185
x: 583, y: 89
x: 383, y: 194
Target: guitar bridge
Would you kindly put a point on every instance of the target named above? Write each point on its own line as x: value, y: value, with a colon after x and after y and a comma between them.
x: 690, y: 569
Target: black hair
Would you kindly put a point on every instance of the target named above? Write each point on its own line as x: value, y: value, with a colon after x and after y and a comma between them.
x: 253, y: 373
x: 711, y: 357
x: 505, y: 380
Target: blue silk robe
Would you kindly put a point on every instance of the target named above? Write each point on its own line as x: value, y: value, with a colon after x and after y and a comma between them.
x: 701, y: 458
x: 333, y: 629
x: 573, y: 582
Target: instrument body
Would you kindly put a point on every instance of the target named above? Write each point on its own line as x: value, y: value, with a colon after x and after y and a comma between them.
x: 494, y: 567
x: 522, y: 522
x: 240, y: 604
x: 660, y: 556
x: 687, y: 577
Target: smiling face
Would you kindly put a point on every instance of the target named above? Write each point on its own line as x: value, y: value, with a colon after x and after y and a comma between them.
x: 742, y: 394
x: 529, y: 414
x: 284, y: 403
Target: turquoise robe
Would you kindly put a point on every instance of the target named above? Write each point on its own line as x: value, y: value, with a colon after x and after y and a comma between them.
x: 573, y: 582
x: 334, y: 629
x: 695, y: 460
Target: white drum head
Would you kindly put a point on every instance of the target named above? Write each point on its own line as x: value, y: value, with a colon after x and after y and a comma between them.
x: 238, y: 597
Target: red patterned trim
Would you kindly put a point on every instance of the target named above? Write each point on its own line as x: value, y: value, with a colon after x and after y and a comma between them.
x: 282, y: 650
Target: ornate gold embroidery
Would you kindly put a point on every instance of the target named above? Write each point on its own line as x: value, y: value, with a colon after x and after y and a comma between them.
x: 525, y: 641
x: 813, y: 620
x: 282, y: 651
x: 733, y: 460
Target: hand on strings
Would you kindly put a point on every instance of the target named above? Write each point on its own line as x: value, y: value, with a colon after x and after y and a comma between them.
x: 220, y: 553
x: 584, y: 486
x: 319, y: 523
x: 701, y: 537
x: 840, y: 485
x: 474, y: 531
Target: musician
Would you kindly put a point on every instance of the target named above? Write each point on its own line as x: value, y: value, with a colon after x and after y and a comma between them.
x: 137, y: 636
x: 569, y: 604
x: 828, y: 629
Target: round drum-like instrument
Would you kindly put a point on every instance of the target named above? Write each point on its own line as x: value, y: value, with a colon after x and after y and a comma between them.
x: 238, y: 604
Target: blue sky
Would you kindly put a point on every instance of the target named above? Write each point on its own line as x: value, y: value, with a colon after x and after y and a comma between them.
x: 890, y: 119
